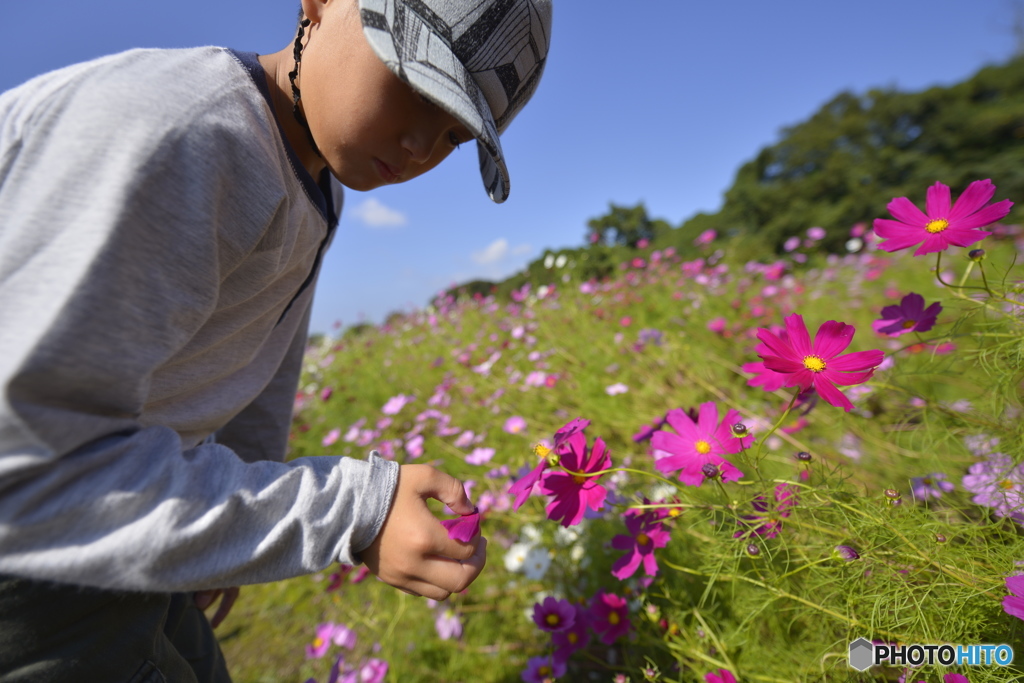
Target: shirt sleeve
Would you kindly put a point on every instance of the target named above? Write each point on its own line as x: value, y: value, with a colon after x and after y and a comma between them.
x: 109, y: 264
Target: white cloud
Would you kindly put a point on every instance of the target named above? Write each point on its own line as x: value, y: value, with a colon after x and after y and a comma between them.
x: 376, y: 215
x: 498, y: 251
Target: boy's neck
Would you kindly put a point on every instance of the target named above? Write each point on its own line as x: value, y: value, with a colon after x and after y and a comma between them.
x: 277, y: 66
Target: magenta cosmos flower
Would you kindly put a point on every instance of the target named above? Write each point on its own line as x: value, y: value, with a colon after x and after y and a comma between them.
x: 1014, y: 604
x: 554, y: 615
x: 543, y: 670
x: 819, y: 364
x: 609, y: 617
x: 767, y: 518
x: 722, y: 676
x: 646, y: 532
x: 909, y: 315
x: 698, y: 443
x: 941, y: 225
x: 573, y: 638
x: 522, y: 487
x: 463, y: 528
x: 573, y: 491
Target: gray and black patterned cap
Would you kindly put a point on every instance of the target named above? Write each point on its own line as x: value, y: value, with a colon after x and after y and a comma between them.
x: 479, y: 60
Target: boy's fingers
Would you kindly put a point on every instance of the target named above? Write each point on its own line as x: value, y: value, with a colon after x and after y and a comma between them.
x: 204, y: 599
x: 442, y: 575
x: 227, y: 601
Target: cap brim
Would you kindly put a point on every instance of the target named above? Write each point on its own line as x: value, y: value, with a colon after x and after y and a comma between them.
x: 427, y: 64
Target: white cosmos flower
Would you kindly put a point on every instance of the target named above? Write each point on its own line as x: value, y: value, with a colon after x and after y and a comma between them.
x: 538, y: 559
x: 516, y: 556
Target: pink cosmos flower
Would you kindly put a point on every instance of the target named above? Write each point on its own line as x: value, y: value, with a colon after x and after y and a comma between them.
x: 515, y: 424
x: 414, y: 446
x: 573, y: 492
x: 909, y: 315
x: 767, y: 520
x: 448, y: 624
x: 522, y: 488
x: 723, y: 676
x: 819, y: 364
x: 646, y: 532
x: 463, y: 528
x: 609, y: 617
x: 1014, y: 604
x: 930, y: 486
x: 616, y: 389
x: 698, y: 443
x: 554, y: 615
x: 941, y: 225
x: 396, y: 403
x: 543, y: 670
x: 480, y: 456
x: 331, y: 437
x: 999, y: 484
x: 706, y: 237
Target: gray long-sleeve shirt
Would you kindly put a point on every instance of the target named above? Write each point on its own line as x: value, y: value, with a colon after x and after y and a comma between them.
x: 159, y: 244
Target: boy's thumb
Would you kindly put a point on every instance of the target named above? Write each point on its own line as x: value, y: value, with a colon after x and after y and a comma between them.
x: 452, y: 493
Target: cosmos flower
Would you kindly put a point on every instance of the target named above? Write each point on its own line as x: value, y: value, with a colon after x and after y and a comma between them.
x: 515, y: 424
x: 463, y: 528
x: 572, y: 491
x: 909, y: 315
x: 572, y: 638
x: 930, y: 486
x: 819, y: 364
x: 941, y: 224
x: 1014, y: 604
x: 609, y: 617
x: 396, y: 403
x: 999, y: 484
x: 448, y: 624
x: 767, y: 520
x: 646, y: 532
x: 553, y: 615
x: 480, y: 456
x: 698, y: 443
x: 616, y: 389
x: 723, y: 676
x: 543, y: 670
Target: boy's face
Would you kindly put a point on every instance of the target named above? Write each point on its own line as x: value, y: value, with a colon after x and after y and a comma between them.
x: 371, y: 127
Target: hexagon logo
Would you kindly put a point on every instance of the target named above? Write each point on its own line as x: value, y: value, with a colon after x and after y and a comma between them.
x: 862, y: 654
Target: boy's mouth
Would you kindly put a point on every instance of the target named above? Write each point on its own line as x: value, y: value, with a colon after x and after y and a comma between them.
x: 387, y: 172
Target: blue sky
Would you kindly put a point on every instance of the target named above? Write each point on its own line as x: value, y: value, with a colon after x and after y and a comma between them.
x: 659, y: 102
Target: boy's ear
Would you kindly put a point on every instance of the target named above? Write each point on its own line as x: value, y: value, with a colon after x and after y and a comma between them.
x: 314, y: 9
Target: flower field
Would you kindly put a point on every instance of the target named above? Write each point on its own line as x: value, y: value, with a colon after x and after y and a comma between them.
x: 699, y: 470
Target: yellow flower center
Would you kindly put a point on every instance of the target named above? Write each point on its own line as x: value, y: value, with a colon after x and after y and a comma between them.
x: 579, y: 479
x: 703, y: 447
x: 544, y: 670
x: 553, y: 619
x: 927, y: 481
x: 907, y: 324
x: 541, y: 451
x: 937, y: 225
x: 814, y: 363
x: 318, y: 642
x: 613, y: 618
x: 674, y: 512
x: 643, y: 539
x: 1006, y: 484
x: 572, y: 637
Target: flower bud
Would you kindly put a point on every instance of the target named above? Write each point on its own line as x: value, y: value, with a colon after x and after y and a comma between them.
x: 753, y: 550
x: 846, y: 553
x: 976, y: 254
x: 939, y: 538
x: 710, y: 470
x: 803, y: 456
x: 739, y: 430
x: 893, y: 494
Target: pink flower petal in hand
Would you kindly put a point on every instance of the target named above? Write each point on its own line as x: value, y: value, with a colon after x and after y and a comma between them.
x: 463, y: 528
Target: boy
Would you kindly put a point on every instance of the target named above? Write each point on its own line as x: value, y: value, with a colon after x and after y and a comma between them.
x: 163, y: 215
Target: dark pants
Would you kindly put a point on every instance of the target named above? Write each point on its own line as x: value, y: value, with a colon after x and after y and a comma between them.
x: 52, y: 633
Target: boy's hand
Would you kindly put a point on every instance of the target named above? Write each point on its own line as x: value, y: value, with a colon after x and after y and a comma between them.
x: 227, y: 599
x: 412, y: 552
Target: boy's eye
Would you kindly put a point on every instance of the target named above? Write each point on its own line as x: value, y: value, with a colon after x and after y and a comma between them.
x: 454, y: 139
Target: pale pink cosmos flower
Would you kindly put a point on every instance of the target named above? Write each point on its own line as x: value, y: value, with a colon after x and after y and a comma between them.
x: 616, y: 389
x: 515, y: 425
x: 941, y: 224
x: 480, y: 456
x: 396, y: 403
x: 819, y: 364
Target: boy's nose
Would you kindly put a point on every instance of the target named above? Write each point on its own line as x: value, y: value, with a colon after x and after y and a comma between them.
x: 421, y: 142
